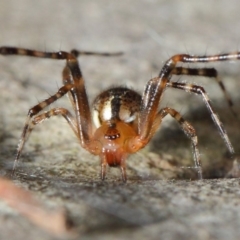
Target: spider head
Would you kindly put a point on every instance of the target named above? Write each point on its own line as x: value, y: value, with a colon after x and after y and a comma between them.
x: 113, y: 138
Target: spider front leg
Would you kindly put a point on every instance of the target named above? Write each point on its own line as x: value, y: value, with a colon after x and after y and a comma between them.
x: 78, y: 92
x: 168, y: 70
x: 33, y: 120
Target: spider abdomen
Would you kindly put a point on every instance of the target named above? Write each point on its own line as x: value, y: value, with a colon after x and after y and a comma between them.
x: 116, y: 103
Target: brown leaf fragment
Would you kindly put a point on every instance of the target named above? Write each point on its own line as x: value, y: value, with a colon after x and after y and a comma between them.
x: 52, y: 221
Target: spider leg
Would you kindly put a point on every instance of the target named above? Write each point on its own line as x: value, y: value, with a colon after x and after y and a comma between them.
x: 74, y: 85
x: 34, y: 120
x: 4, y: 50
x: 188, y: 130
x: 200, y: 91
x: 77, y: 53
x: 33, y: 112
x: 186, y: 58
x: 206, y: 72
x: 67, y: 79
x: 149, y: 107
x: 66, y: 73
x: 54, y: 112
x: 104, y: 170
x: 171, y: 64
x: 78, y: 91
x: 123, y: 171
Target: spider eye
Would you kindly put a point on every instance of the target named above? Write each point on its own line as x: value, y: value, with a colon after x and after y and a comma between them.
x: 112, y: 133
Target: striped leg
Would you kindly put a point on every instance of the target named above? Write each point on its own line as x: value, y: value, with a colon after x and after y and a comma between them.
x: 200, y: 91
x: 206, y: 72
x: 188, y: 130
x: 82, y: 108
x: 78, y: 53
x: 35, y: 120
x: 149, y: 107
x: 79, y: 95
x: 170, y: 68
x: 55, y: 112
x: 73, y: 85
x: 66, y: 73
x: 186, y: 58
x: 34, y: 111
x: 54, y: 55
x: 67, y: 79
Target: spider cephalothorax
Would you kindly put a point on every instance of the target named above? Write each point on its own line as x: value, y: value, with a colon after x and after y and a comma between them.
x: 122, y: 121
x: 115, y: 115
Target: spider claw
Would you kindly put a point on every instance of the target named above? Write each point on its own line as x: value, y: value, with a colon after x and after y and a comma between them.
x: 124, y: 174
x: 103, y: 171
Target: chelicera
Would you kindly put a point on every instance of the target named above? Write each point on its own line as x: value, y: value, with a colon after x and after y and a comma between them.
x: 122, y: 121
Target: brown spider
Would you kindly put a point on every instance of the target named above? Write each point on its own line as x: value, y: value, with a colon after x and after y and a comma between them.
x: 124, y: 122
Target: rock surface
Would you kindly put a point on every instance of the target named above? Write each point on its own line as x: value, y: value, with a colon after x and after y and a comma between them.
x: 161, y: 200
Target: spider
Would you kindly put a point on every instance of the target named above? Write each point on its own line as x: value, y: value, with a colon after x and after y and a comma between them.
x: 122, y: 121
